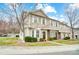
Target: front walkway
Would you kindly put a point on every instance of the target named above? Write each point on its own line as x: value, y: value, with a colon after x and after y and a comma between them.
x: 58, y: 43
x: 36, y: 49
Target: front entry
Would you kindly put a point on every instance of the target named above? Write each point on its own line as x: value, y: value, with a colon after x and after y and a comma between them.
x: 58, y: 35
x: 76, y: 36
x: 44, y: 35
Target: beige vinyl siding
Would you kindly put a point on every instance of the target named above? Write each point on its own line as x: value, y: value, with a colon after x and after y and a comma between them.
x: 52, y: 33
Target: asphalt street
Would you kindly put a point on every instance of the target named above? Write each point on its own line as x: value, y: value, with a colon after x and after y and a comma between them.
x: 40, y: 50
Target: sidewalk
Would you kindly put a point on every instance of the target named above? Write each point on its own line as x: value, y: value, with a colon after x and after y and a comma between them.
x: 33, y: 50
x: 58, y: 43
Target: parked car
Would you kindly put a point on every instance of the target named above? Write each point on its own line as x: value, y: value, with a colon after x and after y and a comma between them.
x: 3, y: 35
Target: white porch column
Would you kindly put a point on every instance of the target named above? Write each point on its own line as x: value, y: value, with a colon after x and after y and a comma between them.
x: 46, y: 35
x: 62, y: 35
x: 34, y: 32
x: 40, y: 34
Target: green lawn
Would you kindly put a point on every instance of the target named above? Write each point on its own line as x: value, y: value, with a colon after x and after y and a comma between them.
x: 8, y: 41
x: 5, y: 41
x: 75, y: 41
x: 40, y: 44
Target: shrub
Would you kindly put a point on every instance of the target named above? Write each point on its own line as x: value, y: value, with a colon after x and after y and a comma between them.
x: 30, y: 39
x: 66, y: 38
x: 17, y: 35
x: 41, y: 39
x: 52, y: 38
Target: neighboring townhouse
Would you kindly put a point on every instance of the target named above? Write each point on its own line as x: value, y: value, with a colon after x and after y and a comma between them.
x: 39, y: 25
x: 76, y: 33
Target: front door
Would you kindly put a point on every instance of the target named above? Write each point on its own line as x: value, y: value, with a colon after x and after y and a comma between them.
x: 44, y: 35
x: 76, y: 36
x: 59, y: 35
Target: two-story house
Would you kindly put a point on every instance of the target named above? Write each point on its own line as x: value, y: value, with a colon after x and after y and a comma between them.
x: 39, y: 25
x: 76, y: 33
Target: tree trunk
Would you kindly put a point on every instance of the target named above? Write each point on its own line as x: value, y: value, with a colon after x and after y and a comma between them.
x: 22, y: 35
x: 72, y: 34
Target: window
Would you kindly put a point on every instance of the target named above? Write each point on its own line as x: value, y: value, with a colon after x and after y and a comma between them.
x: 37, y: 33
x: 51, y: 23
x: 39, y: 20
x: 34, y: 19
x: 43, y: 21
x: 56, y: 24
x: 32, y: 33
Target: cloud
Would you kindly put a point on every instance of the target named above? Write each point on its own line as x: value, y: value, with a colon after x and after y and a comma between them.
x: 61, y: 16
x: 75, y: 5
x: 39, y: 6
x: 49, y: 9
x: 46, y: 8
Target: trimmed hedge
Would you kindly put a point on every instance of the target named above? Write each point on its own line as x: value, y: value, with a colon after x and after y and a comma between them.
x: 66, y: 38
x: 41, y: 40
x: 17, y: 35
x: 52, y: 38
x: 30, y: 39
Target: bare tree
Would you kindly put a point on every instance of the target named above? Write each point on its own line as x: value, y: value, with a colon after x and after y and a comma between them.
x: 12, y: 26
x: 16, y: 10
x: 3, y: 27
x: 20, y: 17
x: 72, y: 14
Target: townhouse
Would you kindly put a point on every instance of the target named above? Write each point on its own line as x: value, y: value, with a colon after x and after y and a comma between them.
x: 39, y: 25
x: 76, y: 33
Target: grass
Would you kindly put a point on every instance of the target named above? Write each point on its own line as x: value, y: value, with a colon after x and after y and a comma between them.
x: 75, y: 41
x: 6, y: 41
x: 40, y: 44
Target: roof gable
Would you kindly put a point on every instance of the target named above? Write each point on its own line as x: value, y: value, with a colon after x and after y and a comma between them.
x: 39, y: 12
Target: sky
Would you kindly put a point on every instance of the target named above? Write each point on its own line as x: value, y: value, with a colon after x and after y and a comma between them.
x: 53, y: 10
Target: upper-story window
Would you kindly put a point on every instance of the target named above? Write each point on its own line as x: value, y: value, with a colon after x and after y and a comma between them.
x: 39, y: 20
x: 43, y: 21
x: 34, y: 19
x: 56, y: 24
x: 51, y: 23
x: 59, y: 24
